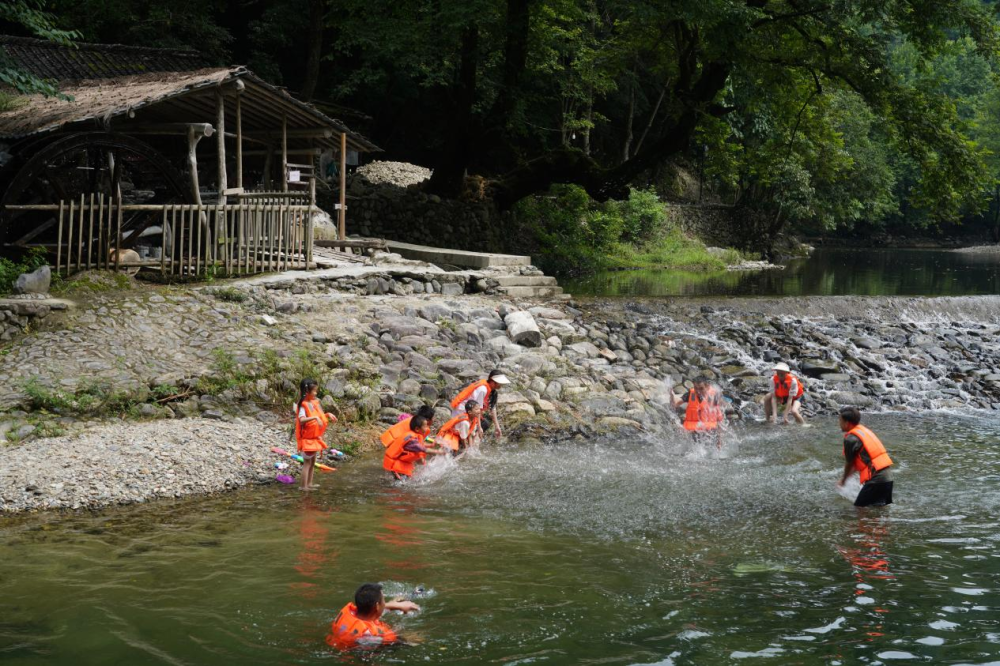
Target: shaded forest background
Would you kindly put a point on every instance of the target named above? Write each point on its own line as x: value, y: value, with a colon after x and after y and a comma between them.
x: 815, y: 116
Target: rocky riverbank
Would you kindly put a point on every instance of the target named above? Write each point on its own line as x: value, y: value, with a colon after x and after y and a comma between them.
x: 137, y: 378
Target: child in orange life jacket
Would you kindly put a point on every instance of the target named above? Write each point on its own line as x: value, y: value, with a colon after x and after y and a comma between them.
x: 359, y: 624
x: 864, y: 453
x: 703, y: 412
x: 461, y: 432
x: 408, y: 448
x: 310, y: 424
x: 786, y: 389
x: 403, y: 426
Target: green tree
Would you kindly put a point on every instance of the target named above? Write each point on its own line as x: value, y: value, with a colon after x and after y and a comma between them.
x: 28, y: 16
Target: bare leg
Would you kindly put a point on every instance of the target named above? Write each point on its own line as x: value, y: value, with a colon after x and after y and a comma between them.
x: 307, y: 472
x: 797, y: 414
x: 771, y: 407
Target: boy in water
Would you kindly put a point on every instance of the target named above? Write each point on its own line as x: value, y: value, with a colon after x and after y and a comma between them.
x: 704, y: 412
x: 359, y: 625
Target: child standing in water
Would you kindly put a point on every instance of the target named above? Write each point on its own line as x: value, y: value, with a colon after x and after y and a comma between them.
x: 310, y: 424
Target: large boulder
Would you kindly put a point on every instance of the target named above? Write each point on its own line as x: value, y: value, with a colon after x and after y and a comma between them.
x: 35, y: 282
x: 522, y: 329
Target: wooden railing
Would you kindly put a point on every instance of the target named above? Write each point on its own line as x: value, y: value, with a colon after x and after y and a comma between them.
x: 95, y: 232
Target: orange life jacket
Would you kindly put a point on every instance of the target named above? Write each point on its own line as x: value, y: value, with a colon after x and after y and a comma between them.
x: 875, y: 450
x: 783, y: 388
x: 399, y: 460
x: 399, y: 430
x: 309, y: 436
x: 467, y: 392
x: 703, y: 414
x: 349, y: 631
x: 448, y: 436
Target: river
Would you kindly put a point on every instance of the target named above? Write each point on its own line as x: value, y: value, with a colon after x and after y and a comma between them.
x: 646, y: 550
x: 633, y: 552
x: 827, y: 272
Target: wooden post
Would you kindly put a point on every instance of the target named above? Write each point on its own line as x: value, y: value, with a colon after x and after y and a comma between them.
x: 239, y: 139
x: 194, y: 135
x: 90, y: 233
x: 342, y: 217
x: 268, y: 166
x: 79, y: 235
x: 163, y: 243
x: 100, y: 231
x: 284, y: 153
x: 220, y: 133
x: 118, y: 236
x: 59, y: 239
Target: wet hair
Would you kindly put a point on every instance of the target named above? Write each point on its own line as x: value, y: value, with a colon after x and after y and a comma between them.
x: 702, y: 379
x: 425, y: 411
x: 418, y: 422
x: 469, y: 404
x: 851, y: 414
x: 304, y: 387
x: 367, y: 598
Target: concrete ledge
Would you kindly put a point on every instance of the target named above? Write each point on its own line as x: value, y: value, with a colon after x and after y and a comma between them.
x: 464, y: 258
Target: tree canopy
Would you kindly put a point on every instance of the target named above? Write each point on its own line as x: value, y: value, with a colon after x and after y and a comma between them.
x: 820, y: 112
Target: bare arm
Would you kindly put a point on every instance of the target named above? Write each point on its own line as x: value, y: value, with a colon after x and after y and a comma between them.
x: 401, y: 605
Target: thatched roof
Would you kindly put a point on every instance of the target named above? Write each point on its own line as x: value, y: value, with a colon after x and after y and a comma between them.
x: 48, y: 60
x: 159, y: 96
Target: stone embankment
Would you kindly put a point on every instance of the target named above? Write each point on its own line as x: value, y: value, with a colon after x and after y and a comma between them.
x: 167, y: 359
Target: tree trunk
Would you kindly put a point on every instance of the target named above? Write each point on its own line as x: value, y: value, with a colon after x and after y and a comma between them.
x: 314, y: 49
x: 627, y: 149
x: 448, y: 179
x: 996, y: 214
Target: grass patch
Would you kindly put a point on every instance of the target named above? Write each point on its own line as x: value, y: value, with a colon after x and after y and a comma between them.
x: 265, y: 379
x: 229, y: 294
x: 95, y: 282
x: 96, y: 399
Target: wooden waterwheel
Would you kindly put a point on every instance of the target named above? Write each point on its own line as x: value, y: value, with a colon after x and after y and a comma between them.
x: 62, y: 167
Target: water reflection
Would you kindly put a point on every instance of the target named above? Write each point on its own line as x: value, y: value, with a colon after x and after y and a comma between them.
x: 828, y: 272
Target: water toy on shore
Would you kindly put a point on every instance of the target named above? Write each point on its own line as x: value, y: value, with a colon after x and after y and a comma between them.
x: 284, y: 478
x: 297, y: 458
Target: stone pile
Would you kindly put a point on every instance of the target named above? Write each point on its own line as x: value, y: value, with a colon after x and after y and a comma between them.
x: 400, y: 174
x: 124, y: 463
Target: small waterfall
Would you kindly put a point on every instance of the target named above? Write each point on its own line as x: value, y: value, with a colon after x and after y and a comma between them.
x: 901, y: 354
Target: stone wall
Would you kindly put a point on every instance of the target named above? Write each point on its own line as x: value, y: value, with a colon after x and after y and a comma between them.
x: 412, y: 216
x: 714, y: 224
x: 16, y: 315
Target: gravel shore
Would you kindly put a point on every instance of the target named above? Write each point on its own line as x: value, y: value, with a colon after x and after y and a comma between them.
x: 127, y: 462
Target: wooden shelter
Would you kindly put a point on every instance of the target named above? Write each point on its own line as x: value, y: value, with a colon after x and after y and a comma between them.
x: 151, y: 150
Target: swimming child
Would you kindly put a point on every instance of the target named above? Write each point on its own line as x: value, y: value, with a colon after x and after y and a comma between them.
x: 359, y: 625
x: 310, y: 424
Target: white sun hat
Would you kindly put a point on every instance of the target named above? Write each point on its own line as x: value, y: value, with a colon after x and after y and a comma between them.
x: 500, y: 379
x: 783, y: 367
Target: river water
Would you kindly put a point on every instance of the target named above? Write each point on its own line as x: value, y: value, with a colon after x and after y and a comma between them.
x: 827, y: 272
x: 651, y: 551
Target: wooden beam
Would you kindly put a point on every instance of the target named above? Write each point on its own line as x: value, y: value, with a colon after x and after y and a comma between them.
x: 205, y: 129
x: 296, y: 133
x: 342, y: 222
x: 220, y: 124
x: 291, y: 151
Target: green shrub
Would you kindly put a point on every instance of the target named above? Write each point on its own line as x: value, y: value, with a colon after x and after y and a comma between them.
x: 10, y: 269
x: 230, y: 294
x: 642, y: 215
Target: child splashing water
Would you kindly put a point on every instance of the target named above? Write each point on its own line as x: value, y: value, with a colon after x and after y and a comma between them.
x: 310, y: 424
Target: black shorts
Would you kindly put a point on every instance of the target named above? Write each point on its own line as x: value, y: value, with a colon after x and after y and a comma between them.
x: 784, y: 400
x: 875, y: 494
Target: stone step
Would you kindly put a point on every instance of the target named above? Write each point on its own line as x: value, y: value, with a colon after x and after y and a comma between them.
x: 463, y: 258
x: 527, y: 281
x: 534, y: 292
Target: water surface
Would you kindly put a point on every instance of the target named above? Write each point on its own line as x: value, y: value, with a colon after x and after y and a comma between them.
x: 651, y: 551
x: 828, y: 272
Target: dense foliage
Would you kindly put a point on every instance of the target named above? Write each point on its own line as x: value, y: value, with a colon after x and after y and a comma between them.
x: 809, y: 112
